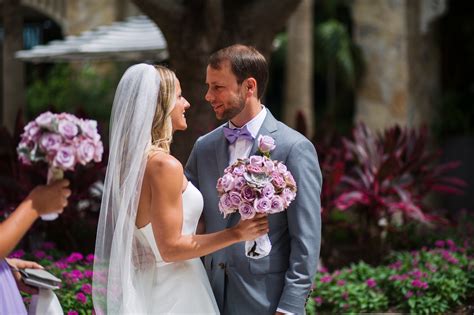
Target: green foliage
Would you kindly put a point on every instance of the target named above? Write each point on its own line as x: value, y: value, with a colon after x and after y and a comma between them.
x: 422, y: 282
x: 72, y: 89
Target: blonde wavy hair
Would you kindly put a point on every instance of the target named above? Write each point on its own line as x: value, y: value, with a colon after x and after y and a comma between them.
x: 162, y: 129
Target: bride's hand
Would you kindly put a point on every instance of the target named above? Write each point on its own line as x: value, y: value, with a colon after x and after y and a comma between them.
x: 250, y: 229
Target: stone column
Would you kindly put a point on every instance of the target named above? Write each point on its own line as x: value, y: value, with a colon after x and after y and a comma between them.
x: 402, y: 63
x: 298, y: 105
x: 13, y: 70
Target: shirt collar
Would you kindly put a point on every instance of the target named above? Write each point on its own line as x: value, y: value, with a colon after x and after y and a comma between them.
x: 253, y: 126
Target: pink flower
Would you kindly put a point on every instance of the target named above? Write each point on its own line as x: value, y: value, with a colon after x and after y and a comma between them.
x: 86, y: 288
x: 371, y: 283
x: 50, y: 142
x: 239, y: 183
x: 17, y: 254
x: 345, y: 295
x: 235, y: 198
x: 88, y: 273
x: 239, y: 170
x: 32, y: 131
x: 248, y: 193
x: 439, y: 243
x: 409, y: 294
x: 277, y: 204
x: 341, y: 283
x: 419, y: 284
x: 326, y: 279
x: 268, y: 191
x: 74, y: 257
x: 89, y: 129
x: 90, y: 258
x: 256, y: 160
x: 227, y: 182
x: 61, y: 265
x: 225, y: 205
x: 39, y: 254
x: 72, y: 313
x: 99, y: 150
x: 318, y: 300
x: 266, y: 144
x: 288, y: 196
x: 81, y: 298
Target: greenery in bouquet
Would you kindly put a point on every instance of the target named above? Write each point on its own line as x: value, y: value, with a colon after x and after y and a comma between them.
x: 75, y: 271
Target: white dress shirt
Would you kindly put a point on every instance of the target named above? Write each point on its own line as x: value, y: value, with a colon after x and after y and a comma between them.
x: 242, y: 147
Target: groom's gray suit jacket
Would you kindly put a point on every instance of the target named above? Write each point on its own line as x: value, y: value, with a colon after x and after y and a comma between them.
x: 282, y: 279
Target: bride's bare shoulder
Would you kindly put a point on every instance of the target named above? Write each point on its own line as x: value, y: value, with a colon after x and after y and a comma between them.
x: 163, y: 165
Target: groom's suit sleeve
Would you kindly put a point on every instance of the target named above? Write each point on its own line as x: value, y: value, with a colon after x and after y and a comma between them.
x: 191, y: 171
x: 304, y: 226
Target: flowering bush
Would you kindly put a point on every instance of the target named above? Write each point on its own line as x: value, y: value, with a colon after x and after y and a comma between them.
x: 428, y: 281
x: 75, y: 271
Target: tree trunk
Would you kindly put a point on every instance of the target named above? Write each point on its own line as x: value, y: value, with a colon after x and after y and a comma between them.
x: 13, y: 69
x: 299, y: 69
x: 195, y: 29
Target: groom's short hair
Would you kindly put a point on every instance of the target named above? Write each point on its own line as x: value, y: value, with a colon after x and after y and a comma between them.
x: 245, y: 62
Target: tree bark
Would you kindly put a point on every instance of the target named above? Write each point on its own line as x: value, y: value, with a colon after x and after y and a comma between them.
x: 13, y: 69
x: 195, y: 29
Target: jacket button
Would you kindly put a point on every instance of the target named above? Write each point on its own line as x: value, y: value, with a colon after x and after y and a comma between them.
x: 221, y: 265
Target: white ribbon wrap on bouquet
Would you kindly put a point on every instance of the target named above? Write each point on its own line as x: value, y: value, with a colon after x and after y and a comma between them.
x: 46, y: 302
x: 54, y: 174
x: 258, y: 248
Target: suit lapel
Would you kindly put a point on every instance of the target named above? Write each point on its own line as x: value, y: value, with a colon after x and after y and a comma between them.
x: 222, y: 158
x: 269, y: 127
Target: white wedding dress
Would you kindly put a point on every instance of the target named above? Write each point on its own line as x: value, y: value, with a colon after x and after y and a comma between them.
x: 177, y: 287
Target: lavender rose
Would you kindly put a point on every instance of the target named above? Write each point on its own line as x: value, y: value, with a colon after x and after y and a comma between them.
x: 50, y: 142
x: 266, y: 144
x: 246, y: 211
x: 89, y: 129
x: 99, y: 150
x: 225, y: 205
x: 45, y: 120
x: 248, y: 193
x: 256, y: 160
x: 262, y: 205
x: 281, y: 167
x: 239, y: 170
x: 288, y: 196
x: 32, y: 131
x: 268, y: 191
x: 65, y: 158
x: 278, y: 180
x: 67, y: 129
x: 85, y: 151
x: 227, y: 182
x: 239, y: 183
x: 277, y: 204
x: 235, y: 198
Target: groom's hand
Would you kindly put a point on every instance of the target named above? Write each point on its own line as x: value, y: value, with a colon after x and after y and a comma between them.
x: 251, y: 229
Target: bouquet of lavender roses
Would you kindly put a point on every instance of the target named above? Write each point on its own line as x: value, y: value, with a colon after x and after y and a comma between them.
x: 62, y: 141
x: 253, y: 185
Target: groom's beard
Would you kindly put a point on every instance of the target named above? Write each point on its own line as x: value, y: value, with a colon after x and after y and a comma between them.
x: 235, y: 107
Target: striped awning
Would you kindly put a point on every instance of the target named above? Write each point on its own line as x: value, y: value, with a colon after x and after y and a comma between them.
x: 138, y: 38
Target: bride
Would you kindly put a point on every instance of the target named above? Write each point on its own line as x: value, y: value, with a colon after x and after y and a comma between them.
x: 147, y: 252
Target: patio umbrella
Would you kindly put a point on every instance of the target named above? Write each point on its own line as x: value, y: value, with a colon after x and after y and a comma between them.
x: 137, y: 38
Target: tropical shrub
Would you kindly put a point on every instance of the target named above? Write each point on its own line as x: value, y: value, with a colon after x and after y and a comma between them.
x: 427, y: 281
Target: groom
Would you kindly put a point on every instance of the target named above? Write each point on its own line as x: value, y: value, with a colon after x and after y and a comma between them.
x: 280, y: 282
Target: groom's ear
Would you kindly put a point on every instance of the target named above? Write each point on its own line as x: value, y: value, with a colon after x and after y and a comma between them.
x: 251, y: 86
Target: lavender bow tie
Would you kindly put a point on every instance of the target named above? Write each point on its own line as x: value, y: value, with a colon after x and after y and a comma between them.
x: 233, y: 134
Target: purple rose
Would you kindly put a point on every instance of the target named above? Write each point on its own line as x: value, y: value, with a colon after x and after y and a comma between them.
x: 248, y: 193
x: 266, y: 144
x: 50, y: 142
x: 246, y: 211
x: 235, y: 198
x: 288, y: 196
x: 32, y: 131
x: 85, y: 151
x: 99, y: 150
x: 45, y: 120
x: 256, y: 160
x: 277, y: 204
x: 262, y: 205
x: 281, y: 167
x: 255, y: 169
x: 239, y: 170
x: 268, y: 191
x: 227, y: 182
x: 65, y: 158
x: 278, y: 180
x: 239, y: 183
x: 289, y: 179
x: 67, y: 129
x: 86, y: 288
x: 81, y: 298
x: 89, y: 129
x: 225, y: 205
x: 269, y: 165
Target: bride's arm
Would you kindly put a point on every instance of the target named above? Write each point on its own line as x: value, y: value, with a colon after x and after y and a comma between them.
x: 165, y: 176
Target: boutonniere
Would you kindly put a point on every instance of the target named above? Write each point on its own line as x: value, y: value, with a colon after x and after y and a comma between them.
x: 266, y: 144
